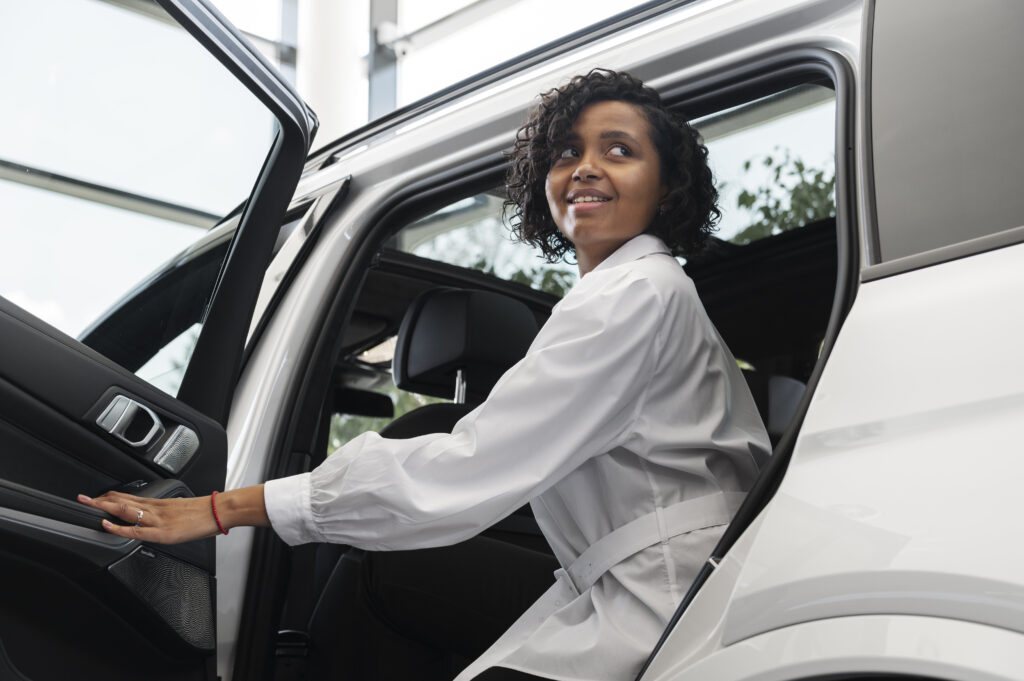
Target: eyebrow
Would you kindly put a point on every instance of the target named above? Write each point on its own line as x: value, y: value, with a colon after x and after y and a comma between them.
x: 619, y: 134
x: 608, y: 134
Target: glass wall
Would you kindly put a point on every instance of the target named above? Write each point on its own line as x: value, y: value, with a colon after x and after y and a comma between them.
x: 121, y: 146
x: 505, y: 30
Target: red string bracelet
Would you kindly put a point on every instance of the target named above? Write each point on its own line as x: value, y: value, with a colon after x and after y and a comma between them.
x: 213, y: 505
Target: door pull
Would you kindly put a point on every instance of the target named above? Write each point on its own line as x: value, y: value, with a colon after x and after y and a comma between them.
x: 134, y: 424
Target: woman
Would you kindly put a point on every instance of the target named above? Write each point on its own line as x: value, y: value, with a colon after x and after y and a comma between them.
x: 627, y: 425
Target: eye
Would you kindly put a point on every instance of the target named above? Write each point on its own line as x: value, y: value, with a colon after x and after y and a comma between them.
x: 619, y: 150
x: 566, y: 153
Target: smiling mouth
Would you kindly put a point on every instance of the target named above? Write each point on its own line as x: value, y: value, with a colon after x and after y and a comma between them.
x: 587, y: 199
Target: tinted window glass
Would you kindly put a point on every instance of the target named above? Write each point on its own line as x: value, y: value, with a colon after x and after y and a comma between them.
x: 470, y: 233
x: 344, y: 427
x: 376, y: 361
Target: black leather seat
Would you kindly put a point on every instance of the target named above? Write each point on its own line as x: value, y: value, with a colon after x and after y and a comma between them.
x: 450, y: 333
x: 450, y: 341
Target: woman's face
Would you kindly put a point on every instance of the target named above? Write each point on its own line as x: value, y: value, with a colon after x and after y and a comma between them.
x: 604, y: 188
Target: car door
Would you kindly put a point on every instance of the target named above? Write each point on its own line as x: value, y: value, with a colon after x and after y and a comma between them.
x: 131, y: 129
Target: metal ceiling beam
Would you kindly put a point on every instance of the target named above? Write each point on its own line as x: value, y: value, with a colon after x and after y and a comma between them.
x: 149, y: 8
x: 80, y: 189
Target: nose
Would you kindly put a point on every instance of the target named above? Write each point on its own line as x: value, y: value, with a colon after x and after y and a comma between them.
x: 586, y: 169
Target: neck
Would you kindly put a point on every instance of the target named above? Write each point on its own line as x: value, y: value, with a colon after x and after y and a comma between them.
x: 584, y: 266
x: 589, y: 258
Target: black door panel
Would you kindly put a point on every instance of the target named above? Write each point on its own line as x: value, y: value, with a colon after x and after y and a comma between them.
x: 52, y: 462
x: 53, y: 549
x: 35, y: 502
x: 56, y: 388
x: 52, y: 514
x: 84, y: 625
x: 52, y: 392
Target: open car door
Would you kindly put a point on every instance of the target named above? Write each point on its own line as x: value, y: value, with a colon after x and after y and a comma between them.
x: 131, y: 131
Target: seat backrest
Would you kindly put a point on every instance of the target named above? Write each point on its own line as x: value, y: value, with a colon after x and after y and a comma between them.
x: 777, y: 398
x: 445, y: 330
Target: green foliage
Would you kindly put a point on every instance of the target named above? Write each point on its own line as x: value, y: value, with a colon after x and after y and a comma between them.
x: 555, y: 282
x: 796, y: 196
x: 548, y: 279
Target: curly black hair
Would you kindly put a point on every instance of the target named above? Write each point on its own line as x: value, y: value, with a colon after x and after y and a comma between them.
x: 689, y: 211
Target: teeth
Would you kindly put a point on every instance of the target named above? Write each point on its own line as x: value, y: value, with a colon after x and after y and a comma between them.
x: 589, y: 199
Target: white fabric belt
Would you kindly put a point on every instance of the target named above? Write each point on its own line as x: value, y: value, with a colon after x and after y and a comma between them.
x: 654, y: 528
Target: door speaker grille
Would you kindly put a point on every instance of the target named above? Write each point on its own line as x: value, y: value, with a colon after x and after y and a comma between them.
x: 179, y: 593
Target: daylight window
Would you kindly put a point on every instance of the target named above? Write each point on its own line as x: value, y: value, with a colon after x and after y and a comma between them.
x: 774, y: 162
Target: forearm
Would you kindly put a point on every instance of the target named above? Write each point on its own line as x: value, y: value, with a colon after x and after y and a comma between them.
x: 242, y: 507
x: 169, y: 521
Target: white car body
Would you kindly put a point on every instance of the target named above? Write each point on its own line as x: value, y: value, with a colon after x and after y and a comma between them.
x: 887, y: 548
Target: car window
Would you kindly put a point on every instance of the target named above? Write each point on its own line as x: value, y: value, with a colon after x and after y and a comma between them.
x: 121, y: 148
x: 376, y: 361
x: 774, y: 162
x: 774, y: 165
x: 344, y: 427
x: 166, y: 368
x: 470, y: 233
x: 767, y: 281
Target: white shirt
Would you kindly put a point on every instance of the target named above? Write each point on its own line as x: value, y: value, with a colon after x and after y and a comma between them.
x: 627, y: 403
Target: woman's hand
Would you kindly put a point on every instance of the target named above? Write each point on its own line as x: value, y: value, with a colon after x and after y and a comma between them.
x: 171, y: 521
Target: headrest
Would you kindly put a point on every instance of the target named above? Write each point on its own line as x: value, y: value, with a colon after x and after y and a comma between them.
x: 447, y: 329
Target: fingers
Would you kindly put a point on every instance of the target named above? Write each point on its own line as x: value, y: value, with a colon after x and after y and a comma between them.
x: 122, y: 506
x: 130, y: 531
x: 133, y: 510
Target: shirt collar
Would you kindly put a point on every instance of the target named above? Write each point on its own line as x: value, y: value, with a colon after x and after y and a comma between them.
x: 639, y: 246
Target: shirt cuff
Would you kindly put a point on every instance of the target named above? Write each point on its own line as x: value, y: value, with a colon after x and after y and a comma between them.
x: 287, y: 501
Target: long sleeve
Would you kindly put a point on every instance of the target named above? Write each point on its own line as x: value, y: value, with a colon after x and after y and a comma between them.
x: 575, y: 395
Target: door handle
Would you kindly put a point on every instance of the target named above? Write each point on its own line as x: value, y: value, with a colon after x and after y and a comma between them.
x: 133, y: 423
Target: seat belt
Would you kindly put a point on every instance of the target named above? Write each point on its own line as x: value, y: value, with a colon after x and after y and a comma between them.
x: 292, y: 644
x: 656, y: 527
